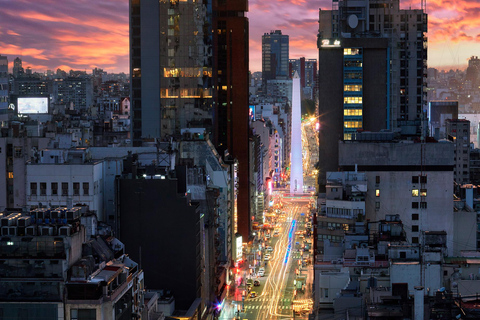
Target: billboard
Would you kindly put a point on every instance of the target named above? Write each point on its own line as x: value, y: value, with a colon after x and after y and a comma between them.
x: 32, y: 105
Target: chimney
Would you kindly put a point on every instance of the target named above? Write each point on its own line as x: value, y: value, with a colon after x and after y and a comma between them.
x: 419, y: 301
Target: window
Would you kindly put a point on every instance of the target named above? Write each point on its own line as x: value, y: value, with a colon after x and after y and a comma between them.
x: 414, y: 205
x: 414, y: 192
x: 352, y: 124
x: 352, y: 100
x: 54, y: 186
x: 352, y: 112
x: 64, y: 188
x: 415, y: 179
x: 414, y: 239
x: 377, y: 205
x: 377, y: 179
x: 83, y: 314
x: 76, y: 188
x: 423, y: 205
x: 414, y: 228
x: 403, y: 255
x: 43, y: 188
x: 10, y: 175
x: 423, y: 179
x: 326, y: 293
x: 377, y: 193
x: 414, y: 216
x: 33, y: 188
x: 18, y: 152
x: 423, y: 192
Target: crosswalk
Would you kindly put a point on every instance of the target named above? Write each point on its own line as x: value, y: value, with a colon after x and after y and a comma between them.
x: 267, y: 307
x: 283, y: 304
x: 268, y: 299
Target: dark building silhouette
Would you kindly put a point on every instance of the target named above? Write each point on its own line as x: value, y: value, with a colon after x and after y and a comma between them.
x: 161, y: 229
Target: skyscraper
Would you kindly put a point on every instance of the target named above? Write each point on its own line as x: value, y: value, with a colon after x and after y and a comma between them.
x: 17, y: 67
x: 372, y: 72
x: 3, y: 82
x: 275, y: 54
x: 189, y: 68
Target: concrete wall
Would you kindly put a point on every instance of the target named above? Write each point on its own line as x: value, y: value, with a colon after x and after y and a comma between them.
x: 464, y: 232
x: 371, y: 154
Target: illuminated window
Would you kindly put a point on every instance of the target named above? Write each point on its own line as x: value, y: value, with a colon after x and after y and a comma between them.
x: 352, y: 51
x: 347, y: 136
x: 415, y: 193
x: 352, y: 124
x: 10, y: 175
x: 352, y: 112
x: 352, y: 87
x: 377, y: 193
x: 423, y: 192
x: 351, y: 100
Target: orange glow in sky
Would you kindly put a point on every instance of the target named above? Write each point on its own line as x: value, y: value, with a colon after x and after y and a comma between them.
x: 82, y: 35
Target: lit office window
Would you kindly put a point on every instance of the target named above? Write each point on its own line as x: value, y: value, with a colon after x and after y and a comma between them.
x: 352, y: 87
x: 352, y: 100
x: 352, y: 112
x: 352, y: 51
x: 352, y: 124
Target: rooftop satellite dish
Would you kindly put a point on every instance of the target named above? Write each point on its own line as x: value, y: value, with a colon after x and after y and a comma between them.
x: 352, y: 21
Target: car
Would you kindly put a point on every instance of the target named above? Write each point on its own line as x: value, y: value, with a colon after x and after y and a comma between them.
x: 252, y: 294
x: 250, y: 282
x: 267, y: 257
x: 261, y: 273
x: 256, y: 283
x: 269, y: 249
x: 267, y: 236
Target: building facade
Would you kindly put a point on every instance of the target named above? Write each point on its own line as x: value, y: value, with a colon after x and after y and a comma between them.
x: 372, y: 62
x: 189, y: 69
x: 275, y: 55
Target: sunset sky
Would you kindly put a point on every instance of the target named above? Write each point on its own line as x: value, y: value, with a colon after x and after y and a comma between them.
x: 84, y: 34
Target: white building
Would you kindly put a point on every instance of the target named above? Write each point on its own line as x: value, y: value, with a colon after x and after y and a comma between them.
x: 65, y: 178
x: 412, y: 180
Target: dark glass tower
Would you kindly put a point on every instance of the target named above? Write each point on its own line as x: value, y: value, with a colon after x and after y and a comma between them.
x: 189, y: 68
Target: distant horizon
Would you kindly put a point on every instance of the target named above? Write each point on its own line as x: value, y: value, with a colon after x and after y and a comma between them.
x: 82, y: 35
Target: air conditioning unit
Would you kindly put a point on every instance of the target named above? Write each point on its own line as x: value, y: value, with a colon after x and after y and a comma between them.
x: 40, y: 214
x: 5, y: 231
x: 58, y: 214
x: 24, y: 221
x: 73, y: 214
x: 12, y: 231
x: 64, y: 231
x: 46, y: 231
x: 31, y: 231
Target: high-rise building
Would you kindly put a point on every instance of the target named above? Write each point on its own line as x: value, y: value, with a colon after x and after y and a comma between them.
x: 275, y: 55
x: 307, y: 70
x: 189, y: 69
x: 372, y: 72
x: 3, y: 82
x: 17, y: 67
x: 473, y: 71
x: 458, y: 131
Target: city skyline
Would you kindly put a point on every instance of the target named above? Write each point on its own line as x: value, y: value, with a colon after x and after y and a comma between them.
x: 75, y: 35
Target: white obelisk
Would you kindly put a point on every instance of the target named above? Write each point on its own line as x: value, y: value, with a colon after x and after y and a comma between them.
x: 296, y: 159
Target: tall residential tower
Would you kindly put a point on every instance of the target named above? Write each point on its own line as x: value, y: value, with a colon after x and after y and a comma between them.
x: 372, y: 72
